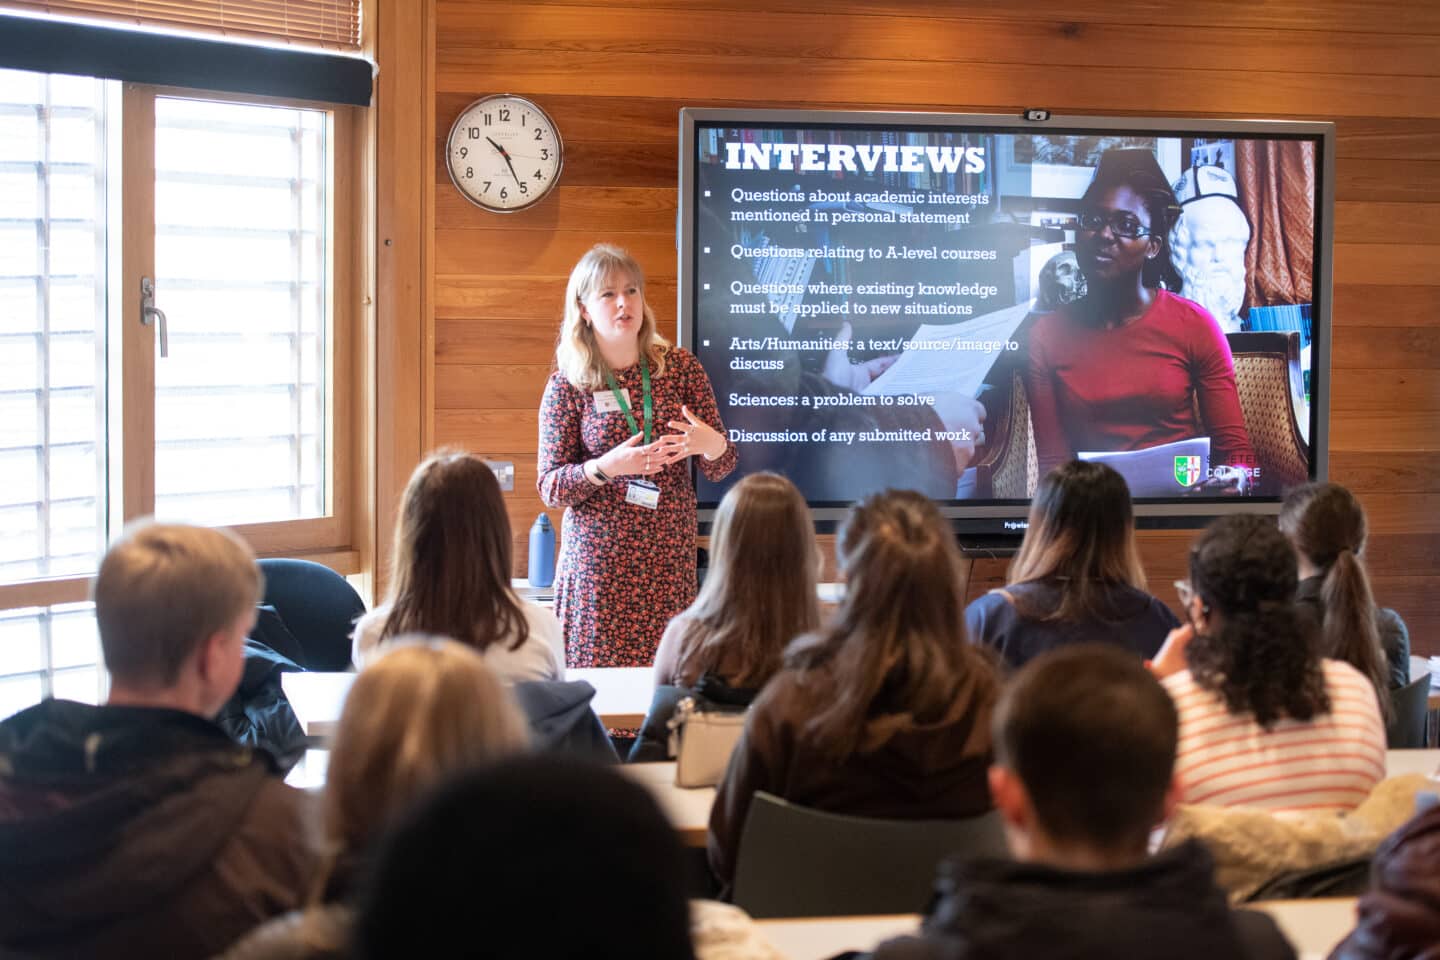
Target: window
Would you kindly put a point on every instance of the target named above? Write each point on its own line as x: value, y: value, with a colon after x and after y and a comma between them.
x: 235, y: 211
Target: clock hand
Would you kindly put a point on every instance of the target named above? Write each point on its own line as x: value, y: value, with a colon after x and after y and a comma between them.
x: 507, y: 159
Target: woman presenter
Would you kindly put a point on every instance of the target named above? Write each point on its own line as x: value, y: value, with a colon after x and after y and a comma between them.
x: 620, y: 419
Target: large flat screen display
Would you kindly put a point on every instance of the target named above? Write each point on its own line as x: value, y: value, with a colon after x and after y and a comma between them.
x: 954, y: 304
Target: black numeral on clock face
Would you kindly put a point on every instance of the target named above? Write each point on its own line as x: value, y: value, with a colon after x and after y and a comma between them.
x: 504, y: 114
x: 539, y: 134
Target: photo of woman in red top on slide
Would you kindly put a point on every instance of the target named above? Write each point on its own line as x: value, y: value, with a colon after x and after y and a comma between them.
x: 1130, y: 364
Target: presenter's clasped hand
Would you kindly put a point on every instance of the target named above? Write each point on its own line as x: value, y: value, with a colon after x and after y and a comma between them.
x: 694, y: 436
x: 630, y: 459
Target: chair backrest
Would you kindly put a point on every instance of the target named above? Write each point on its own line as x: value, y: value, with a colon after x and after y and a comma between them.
x: 798, y: 862
x: 318, y: 606
x: 1009, y: 467
x: 1408, y: 706
x: 1268, y: 380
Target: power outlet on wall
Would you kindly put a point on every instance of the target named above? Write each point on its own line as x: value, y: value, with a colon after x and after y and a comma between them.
x: 504, y: 471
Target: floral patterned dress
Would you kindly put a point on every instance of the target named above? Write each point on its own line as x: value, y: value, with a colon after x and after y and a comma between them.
x: 624, y: 569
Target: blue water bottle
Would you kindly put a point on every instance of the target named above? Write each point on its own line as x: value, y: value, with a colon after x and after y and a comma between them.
x: 542, y: 552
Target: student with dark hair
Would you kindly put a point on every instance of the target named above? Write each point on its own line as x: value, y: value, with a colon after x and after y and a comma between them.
x: 1265, y: 720
x: 1084, y: 753
x: 1131, y: 364
x: 479, y: 870
x: 450, y: 574
x: 1327, y: 526
x: 758, y: 595
x: 1077, y: 577
x: 885, y: 711
x: 139, y: 828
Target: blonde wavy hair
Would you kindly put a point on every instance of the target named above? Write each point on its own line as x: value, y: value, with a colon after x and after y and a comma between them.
x: 577, y: 355
x: 427, y: 708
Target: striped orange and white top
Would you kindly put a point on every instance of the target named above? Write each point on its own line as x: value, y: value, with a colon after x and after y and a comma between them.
x: 1329, y: 763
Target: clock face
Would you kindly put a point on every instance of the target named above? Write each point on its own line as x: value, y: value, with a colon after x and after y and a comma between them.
x: 504, y: 153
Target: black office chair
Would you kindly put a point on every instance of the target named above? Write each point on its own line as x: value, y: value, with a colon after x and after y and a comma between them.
x: 1408, y: 706
x: 318, y: 606
x: 798, y: 862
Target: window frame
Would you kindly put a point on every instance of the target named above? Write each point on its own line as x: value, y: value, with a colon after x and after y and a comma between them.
x: 328, y: 539
x: 338, y: 539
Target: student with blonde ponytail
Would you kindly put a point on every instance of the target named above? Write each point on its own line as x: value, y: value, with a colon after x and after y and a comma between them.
x: 885, y: 711
x: 1327, y: 526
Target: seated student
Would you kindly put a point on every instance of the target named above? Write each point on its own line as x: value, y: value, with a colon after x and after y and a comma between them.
x: 1400, y: 914
x: 885, y: 712
x: 1327, y: 526
x: 533, y: 858
x: 139, y: 828
x: 426, y: 708
x: 450, y: 574
x: 759, y: 595
x: 1077, y: 577
x: 1084, y: 754
x: 1265, y: 721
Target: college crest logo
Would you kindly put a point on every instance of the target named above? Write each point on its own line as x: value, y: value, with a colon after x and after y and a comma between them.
x: 1187, y: 471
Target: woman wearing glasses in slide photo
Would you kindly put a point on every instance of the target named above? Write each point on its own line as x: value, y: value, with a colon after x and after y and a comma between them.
x: 1126, y: 366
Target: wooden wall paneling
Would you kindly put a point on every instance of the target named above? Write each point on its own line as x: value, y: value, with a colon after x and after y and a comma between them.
x: 1100, y: 87
x: 614, y: 74
x: 1330, y: 16
x: 1375, y: 305
x: 953, y: 39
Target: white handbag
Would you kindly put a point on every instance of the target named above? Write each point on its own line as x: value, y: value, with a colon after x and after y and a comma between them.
x: 701, y: 742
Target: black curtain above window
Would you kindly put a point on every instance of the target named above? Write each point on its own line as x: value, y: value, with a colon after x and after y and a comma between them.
x: 57, y: 46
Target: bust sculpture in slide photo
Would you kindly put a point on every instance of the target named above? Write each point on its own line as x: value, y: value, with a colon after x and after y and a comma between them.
x: 1207, y: 244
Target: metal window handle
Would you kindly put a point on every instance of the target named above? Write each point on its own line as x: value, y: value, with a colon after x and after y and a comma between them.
x: 149, y: 312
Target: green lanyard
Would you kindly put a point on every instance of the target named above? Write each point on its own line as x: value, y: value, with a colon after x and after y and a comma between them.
x: 625, y: 407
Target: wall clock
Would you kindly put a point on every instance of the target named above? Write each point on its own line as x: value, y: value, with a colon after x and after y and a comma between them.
x: 504, y: 153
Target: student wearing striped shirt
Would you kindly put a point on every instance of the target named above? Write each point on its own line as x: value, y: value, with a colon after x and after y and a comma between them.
x: 1265, y: 721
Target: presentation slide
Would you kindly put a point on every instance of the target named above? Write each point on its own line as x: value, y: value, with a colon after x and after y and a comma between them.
x: 956, y: 311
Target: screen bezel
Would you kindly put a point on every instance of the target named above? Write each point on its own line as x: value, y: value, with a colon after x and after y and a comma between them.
x: 1006, y: 517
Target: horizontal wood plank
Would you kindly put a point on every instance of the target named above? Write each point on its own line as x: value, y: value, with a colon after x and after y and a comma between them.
x: 1384, y: 305
x: 953, y: 39
x: 1325, y: 15
x: 608, y: 210
x: 532, y: 296
x: 1397, y: 431
x: 1410, y: 471
x: 1381, y: 263
x: 1101, y: 87
x: 470, y: 386
x: 1387, y: 222
x: 1371, y: 390
x: 470, y: 429
x: 530, y: 252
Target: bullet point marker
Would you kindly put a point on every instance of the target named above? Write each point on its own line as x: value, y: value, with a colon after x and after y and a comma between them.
x: 707, y: 286
x: 707, y: 249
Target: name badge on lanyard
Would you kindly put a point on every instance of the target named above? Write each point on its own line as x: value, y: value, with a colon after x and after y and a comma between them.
x: 607, y: 402
x: 643, y: 493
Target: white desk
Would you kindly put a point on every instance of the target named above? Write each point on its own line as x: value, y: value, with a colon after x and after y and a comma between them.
x: 316, y: 699
x: 815, y: 938
x: 1313, y: 926
x: 1424, y: 762
x: 622, y: 695
x: 1418, y: 666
